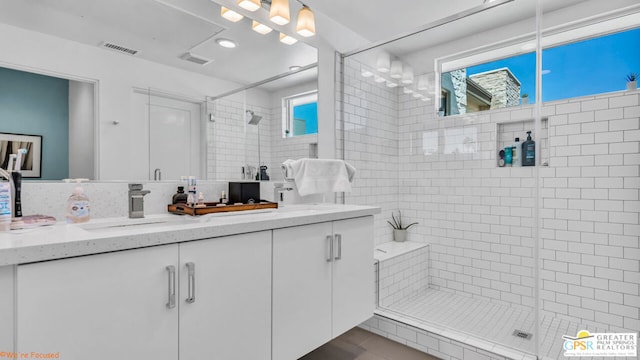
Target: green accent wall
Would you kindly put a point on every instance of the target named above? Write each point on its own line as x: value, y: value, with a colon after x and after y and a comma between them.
x: 33, y: 104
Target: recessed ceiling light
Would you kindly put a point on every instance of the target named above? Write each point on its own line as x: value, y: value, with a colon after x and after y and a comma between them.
x: 226, y: 43
x: 294, y: 67
x: 230, y: 14
x: 251, y: 5
x: 286, y: 39
x: 260, y: 28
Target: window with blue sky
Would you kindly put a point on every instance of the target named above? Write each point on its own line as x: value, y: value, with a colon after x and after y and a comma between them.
x: 302, y: 114
x: 587, y: 67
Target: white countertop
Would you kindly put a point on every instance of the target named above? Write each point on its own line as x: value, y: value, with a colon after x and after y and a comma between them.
x: 113, y: 234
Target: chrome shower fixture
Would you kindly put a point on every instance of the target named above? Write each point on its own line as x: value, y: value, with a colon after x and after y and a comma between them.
x: 253, y: 118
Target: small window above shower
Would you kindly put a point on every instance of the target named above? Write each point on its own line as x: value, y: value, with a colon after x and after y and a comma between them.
x: 300, y: 114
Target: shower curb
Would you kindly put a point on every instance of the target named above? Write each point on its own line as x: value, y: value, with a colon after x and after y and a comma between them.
x: 444, y: 344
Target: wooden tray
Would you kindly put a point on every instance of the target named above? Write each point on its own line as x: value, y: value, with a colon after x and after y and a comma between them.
x: 210, y: 208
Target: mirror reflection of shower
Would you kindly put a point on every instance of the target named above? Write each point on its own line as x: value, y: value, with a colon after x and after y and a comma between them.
x: 253, y: 119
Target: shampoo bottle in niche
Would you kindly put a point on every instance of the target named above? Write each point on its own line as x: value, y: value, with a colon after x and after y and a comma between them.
x: 508, y: 156
x: 78, y: 204
x: 516, y: 153
x: 528, y: 153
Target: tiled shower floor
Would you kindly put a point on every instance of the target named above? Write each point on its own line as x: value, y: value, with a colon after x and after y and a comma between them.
x: 490, y: 322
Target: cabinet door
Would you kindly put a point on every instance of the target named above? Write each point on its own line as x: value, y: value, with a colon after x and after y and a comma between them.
x: 230, y: 315
x: 108, y: 306
x: 6, y: 308
x: 301, y: 290
x: 353, y: 275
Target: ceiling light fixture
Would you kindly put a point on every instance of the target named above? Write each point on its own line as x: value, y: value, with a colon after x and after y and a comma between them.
x: 407, y: 75
x: 382, y: 63
x: 396, y: 69
x: 260, y: 28
x: 422, y: 82
x: 286, y: 39
x: 250, y: 5
x: 230, y: 14
x: 226, y: 43
x: 279, y: 12
x: 306, y: 22
x: 366, y: 73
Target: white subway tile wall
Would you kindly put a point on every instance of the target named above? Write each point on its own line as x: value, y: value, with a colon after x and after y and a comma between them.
x: 590, y: 211
x: 370, y: 133
x: 403, y: 276
x: 228, y: 146
x: 226, y: 140
x: 479, y: 218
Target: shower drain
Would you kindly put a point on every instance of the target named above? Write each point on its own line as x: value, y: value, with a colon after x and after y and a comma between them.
x: 522, y: 334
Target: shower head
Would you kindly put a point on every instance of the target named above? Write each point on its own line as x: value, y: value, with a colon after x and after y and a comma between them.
x: 253, y: 118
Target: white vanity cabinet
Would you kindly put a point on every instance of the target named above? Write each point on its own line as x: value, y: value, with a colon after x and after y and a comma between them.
x: 99, y: 307
x: 196, y: 300
x: 322, y: 283
x: 229, y: 316
x: 6, y: 307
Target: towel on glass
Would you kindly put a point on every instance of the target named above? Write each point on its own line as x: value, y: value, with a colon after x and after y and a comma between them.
x: 319, y: 176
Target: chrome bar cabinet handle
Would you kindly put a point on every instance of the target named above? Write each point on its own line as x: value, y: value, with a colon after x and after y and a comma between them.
x: 191, y: 268
x: 339, y: 241
x: 171, y: 302
x: 329, y: 248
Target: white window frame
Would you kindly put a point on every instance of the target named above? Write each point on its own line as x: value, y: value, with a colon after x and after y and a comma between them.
x: 552, y: 37
x: 288, y: 103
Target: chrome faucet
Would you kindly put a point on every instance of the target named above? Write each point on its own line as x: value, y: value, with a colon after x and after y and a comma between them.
x: 278, y: 190
x: 136, y: 200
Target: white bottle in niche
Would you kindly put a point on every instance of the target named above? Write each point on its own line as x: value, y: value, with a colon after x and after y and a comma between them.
x: 516, y: 153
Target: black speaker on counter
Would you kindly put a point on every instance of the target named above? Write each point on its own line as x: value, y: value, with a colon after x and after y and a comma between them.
x: 244, y: 192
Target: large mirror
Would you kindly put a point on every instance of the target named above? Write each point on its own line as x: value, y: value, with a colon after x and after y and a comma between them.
x: 253, y: 131
x: 115, y: 82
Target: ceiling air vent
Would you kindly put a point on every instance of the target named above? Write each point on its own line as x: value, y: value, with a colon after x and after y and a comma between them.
x: 119, y: 48
x: 195, y: 58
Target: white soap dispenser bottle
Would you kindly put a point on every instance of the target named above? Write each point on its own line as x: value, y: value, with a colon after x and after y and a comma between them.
x: 78, y: 209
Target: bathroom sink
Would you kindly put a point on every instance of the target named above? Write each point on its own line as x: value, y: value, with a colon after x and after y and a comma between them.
x: 144, y: 223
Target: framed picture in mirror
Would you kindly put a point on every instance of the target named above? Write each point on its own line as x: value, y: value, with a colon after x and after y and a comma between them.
x: 31, y: 162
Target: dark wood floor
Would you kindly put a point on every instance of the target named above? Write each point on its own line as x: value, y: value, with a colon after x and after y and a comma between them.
x: 359, y: 344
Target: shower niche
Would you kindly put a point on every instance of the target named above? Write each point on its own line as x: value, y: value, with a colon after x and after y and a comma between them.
x: 507, y: 131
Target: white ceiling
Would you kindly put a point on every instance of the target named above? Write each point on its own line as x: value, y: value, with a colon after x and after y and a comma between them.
x: 163, y: 30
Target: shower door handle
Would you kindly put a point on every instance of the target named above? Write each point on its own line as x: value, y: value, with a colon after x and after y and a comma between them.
x: 329, y: 248
x: 191, y: 282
